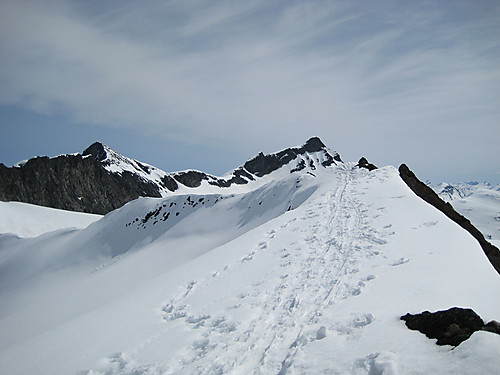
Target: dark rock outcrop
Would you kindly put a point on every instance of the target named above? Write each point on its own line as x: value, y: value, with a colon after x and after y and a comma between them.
x: 169, y: 183
x: 96, y: 150
x: 191, y: 179
x: 265, y: 164
x: 449, y: 327
x: 428, y: 195
x: 71, y: 182
x: 492, y: 326
x: 239, y: 177
x: 363, y: 163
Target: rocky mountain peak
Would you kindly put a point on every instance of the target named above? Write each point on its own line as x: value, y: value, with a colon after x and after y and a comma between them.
x: 97, y: 150
x: 263, y: 164
x: 313, y: 144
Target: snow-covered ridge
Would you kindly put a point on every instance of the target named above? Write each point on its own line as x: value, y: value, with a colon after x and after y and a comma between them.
x: 306, y: 274
x: 309, y: 157
x: 114, y: 162
x: 100, y: 180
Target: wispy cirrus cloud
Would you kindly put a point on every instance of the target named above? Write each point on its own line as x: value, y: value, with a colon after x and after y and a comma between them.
x: 263, y: 74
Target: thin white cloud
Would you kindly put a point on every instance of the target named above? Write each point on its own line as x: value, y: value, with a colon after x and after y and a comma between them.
x: 258, y: 73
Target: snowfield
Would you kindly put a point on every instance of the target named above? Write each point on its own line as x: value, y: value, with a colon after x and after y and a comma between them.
x: 479, y: 202
x: 29, y: 220
x: 307, y: 273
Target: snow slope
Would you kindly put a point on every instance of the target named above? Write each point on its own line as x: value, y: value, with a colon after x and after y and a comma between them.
x: 305, y: 274
x: 29, y: 220
x: 479, y: 202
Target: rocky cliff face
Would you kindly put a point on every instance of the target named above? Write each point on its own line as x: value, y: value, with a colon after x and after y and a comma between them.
x: 71, y: 182
x: 100, y: 180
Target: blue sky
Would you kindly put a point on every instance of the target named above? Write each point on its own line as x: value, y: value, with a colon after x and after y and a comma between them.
x: 207, y: 84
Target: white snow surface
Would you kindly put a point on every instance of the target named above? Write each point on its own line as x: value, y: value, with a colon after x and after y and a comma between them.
x: 478, y: 202
x: 29, y: 220
x: 303, y: 274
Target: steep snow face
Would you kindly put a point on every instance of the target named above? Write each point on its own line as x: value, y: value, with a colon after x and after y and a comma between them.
x: 303, y: 275
x: 479, y: 202
x: 28, y: 220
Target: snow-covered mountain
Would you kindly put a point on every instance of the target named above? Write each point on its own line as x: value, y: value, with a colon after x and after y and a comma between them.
x: 479, y: 202
x: 100, y: 180
x: 306, y: 269
x: 450, y: 192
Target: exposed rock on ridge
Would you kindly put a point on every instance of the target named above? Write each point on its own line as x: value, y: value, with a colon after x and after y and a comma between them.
x: 96, y: 150
x: 265, y: 164
x: 101, y: 180
x: 262, y: 165
x: 428, y: 195
x: 71, y: 182
x: 363, y: 163
x: 449, y: 327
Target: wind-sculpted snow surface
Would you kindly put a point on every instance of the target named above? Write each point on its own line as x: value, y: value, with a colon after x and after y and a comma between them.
x: 303, y: 275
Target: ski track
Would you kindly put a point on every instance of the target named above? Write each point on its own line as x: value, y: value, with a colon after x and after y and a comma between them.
x: 286, y: 307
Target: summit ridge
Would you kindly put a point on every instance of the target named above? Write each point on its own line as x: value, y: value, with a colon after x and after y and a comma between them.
x: 99, y: 179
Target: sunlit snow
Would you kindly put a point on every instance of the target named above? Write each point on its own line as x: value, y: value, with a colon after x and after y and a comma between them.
x: 28, y: 220
x: 306, y: 273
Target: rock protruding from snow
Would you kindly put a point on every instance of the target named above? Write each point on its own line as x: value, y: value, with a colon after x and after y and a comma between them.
x: 449, y: 327
x: 363, y: 163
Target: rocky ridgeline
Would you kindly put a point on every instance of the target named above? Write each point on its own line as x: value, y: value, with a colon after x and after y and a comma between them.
x: 96, y: 182
x: 428, y: 195
x: 71, y: 182
x: 259, y: 166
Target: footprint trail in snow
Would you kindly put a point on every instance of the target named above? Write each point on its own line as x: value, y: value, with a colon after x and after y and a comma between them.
x: 276, y: 313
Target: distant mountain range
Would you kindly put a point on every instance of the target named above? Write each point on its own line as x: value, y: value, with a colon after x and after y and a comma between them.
x: 479, y: 202
x: 461, y: 190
